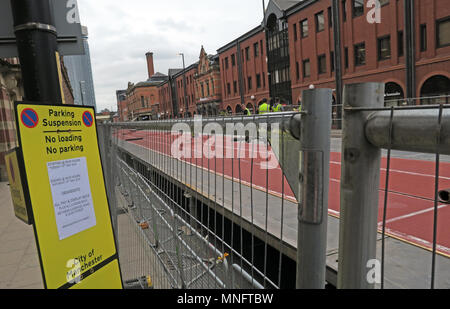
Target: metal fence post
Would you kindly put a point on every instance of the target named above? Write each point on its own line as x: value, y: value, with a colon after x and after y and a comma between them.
x: 360, y: 181
x: 113, y: 180
x: 314, y: 175
x: 107, y: 153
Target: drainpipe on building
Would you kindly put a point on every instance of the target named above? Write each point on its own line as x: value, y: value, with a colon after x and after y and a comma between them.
x: 337, y: 55
x: 240, y: 72
x: 410, y: 50
x: 266, y: 37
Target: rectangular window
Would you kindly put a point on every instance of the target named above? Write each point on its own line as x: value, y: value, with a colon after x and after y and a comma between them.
x: 384, y: 48
x: 235, y: 87
x: 258, y: 80
x: 228, y: 88
x: 443, y: 32
x: 249, y: 83
x: 247, y: 53
x: 344, y: 10
x: 423, y: 37
x: 330, y: 18
x: 322, y: 64
x: 304, y: 28
x: 400, y: 45
x: 332, y: 61
x: 357, y: 7
x: 320, y: 22
x: 264, y: 80
x: 142, y: 101
x: 256, y: 49
x: 297, y: 70
x: 360, y: 54
x: 306, y: 68
x: 233, y: 59
x: 226, y: 63
x: 295, y: 31
x: 262, y: 48
x: 346, y: 57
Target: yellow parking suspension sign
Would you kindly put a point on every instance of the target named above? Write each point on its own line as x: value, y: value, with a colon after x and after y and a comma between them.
x: 64, y: 176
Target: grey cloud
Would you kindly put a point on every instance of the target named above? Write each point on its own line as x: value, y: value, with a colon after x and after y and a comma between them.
x: 120, y: 33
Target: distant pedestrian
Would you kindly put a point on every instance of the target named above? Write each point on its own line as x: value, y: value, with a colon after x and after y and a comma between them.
x: 246, y: 111
x: 278, y: 107
x: 264, y: 108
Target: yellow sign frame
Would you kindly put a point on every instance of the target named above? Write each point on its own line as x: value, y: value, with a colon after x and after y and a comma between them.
x: 59, y: 135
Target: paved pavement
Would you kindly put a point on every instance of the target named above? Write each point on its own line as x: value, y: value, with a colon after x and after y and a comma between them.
x: 19, y: 262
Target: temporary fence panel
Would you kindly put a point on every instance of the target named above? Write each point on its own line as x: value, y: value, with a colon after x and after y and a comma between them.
x: 224, y: 202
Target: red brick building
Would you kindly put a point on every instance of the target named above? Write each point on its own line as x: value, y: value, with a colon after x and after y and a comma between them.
x: 202, y: 94
x: 143, y: 101
x: 165, y: 98
x: 243, y: 70
x: 294, y: 49
x: 371, y: 51
x: 208, y: 86
x: 185, y: 91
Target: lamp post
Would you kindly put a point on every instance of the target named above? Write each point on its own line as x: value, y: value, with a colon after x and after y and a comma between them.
x: 184, y: 84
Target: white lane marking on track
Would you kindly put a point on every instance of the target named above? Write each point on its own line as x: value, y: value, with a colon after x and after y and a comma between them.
x: 416, y: 213
x: 403, y: 172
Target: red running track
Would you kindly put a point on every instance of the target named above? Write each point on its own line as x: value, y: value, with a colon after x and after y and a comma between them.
x: 410, y: 206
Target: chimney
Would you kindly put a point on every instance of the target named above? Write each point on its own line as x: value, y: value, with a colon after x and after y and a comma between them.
x: 150, y: 66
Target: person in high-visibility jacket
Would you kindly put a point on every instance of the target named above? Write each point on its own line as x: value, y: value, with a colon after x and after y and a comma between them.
x: 264, y: 108
x: 278, y: 108
x: 299, y: 108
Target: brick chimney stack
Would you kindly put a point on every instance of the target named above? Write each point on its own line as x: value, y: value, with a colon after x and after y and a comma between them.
x: 150, y: 66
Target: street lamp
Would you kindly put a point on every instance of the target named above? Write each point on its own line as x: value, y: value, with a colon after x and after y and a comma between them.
x: 184, y: 82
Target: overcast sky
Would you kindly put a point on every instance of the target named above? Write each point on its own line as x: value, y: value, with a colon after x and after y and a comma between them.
x: 121, y: 32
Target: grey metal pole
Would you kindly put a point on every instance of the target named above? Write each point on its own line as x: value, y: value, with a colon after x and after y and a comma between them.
x: 337, y: 55
x: 184, y: 86
x: 36, y: 38
x: 113, y: 181
x: 360, y: 181
x: 314, y: 173
x: 414, y: 130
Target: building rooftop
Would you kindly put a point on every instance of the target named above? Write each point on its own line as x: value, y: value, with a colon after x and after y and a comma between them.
x: 157, y: 79
x: 286, y: 4
x: 172, y: 72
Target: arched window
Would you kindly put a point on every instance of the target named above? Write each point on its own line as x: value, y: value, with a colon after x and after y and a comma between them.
x: 393, y: 95
x: 437, y: 86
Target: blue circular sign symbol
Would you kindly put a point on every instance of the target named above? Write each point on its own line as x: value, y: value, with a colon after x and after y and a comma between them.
x: 29, y: 118
x: 88, y: 119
